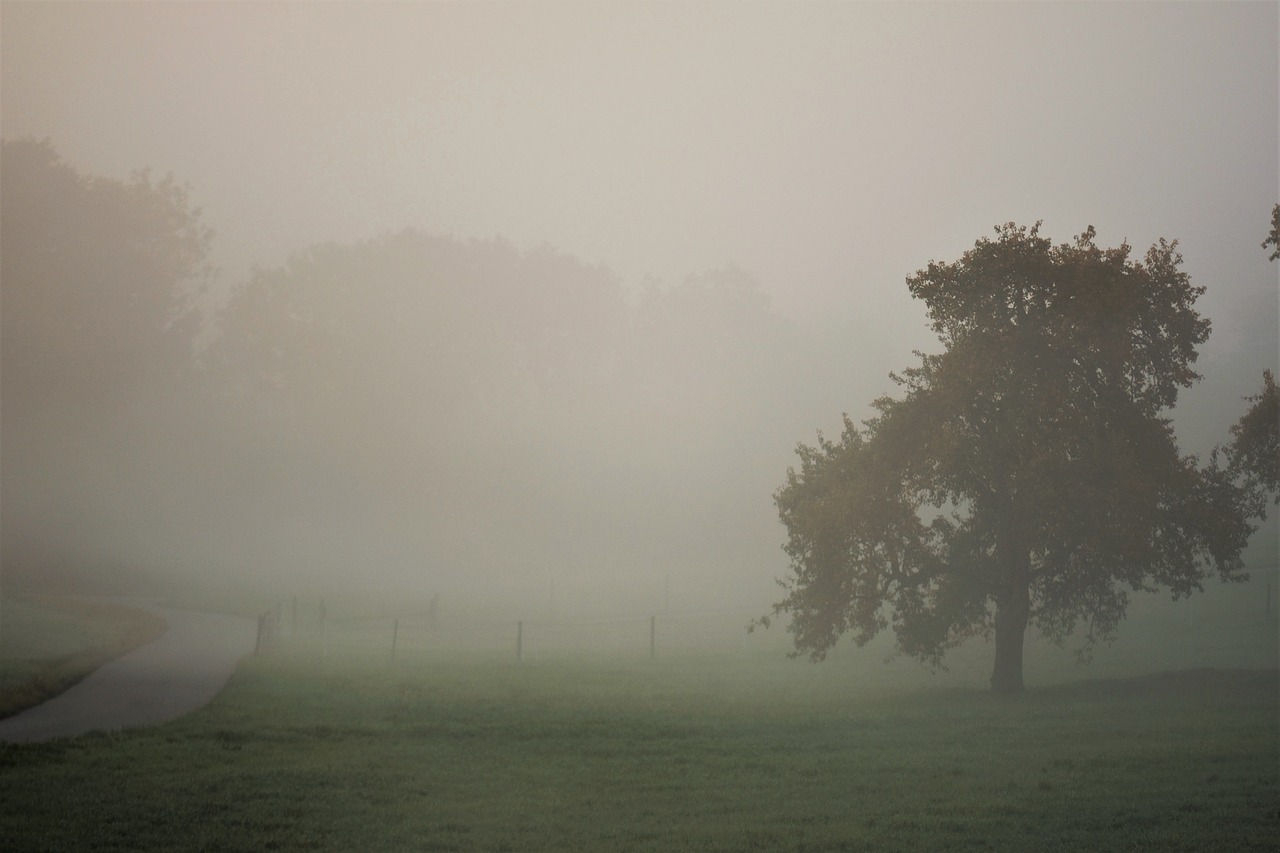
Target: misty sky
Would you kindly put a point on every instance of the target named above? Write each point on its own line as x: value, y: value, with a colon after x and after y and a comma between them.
x: 827, y: 149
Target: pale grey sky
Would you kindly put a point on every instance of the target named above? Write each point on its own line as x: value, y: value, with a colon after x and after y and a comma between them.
x: 829, y: 149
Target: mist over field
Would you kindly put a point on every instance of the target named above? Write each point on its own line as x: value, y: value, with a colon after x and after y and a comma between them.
x: 526, y: 306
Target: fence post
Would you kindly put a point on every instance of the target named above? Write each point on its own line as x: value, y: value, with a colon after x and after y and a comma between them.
x: 653, y: 632
x: 257, y: 646
x: 395, y: 634
x: 293, y: 627
x: 520, y: 640
x: 324, y: 633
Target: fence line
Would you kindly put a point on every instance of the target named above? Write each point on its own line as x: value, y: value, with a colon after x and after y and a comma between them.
x: 308, y: 626
x: 268, y: 630
x: 305, y: 626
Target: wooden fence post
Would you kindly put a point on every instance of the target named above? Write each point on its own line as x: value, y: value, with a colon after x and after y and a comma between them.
x: 520, y: 640
x: 653, y: 633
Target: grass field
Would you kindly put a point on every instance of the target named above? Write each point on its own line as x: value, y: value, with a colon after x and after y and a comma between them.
x: 689, y: 753
x: 48, y: 643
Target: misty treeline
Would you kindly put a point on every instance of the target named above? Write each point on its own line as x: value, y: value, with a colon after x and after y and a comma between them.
x: 406, y: 414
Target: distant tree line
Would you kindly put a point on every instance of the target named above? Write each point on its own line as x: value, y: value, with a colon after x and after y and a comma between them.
x: 465, y: 396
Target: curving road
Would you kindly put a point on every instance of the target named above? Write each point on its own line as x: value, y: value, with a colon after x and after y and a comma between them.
x: 175, y: 674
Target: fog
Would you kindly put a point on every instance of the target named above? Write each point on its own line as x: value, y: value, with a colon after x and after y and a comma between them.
x: 516, y: 303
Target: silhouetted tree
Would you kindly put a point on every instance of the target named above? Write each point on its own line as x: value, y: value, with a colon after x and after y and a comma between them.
x: 97, y: 285
x: 493, y: 393
x: 1273, y: 238
x: 1255, y: 447
x: 409, y: 343
x: 439, y: 380
x: 99, y: 279
x: 1027, y: 475
x: 1254, y: 451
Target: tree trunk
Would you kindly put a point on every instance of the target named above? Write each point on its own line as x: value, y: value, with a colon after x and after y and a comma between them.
x: 1011, y: 628
x: 1013, y: 607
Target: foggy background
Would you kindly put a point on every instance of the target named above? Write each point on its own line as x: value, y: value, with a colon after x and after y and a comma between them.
x: 512, y: 295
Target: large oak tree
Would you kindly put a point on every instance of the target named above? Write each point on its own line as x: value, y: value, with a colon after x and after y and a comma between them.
x: 1028, y: 474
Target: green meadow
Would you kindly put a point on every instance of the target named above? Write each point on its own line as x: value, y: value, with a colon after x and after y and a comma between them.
x: 694, y: 751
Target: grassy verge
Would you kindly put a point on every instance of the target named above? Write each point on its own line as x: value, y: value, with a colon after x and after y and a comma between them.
x: 692, y: 754
x: 48, y: 644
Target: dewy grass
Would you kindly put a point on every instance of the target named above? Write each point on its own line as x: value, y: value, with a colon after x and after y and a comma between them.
x: 696, y: 754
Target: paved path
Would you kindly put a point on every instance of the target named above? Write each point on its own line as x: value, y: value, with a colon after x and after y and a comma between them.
x: 173, y: 675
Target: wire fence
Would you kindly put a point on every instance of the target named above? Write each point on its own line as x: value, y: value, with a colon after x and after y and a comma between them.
x: 309, y: 626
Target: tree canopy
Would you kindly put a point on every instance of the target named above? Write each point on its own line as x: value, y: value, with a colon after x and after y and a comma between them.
x: 1027, y: 475
x: 99, y: 279
x: 1273, y: 236
x: 97, y: 323
x: 1254, y: 451
x: 412, y: 402
x: 474, y: 392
